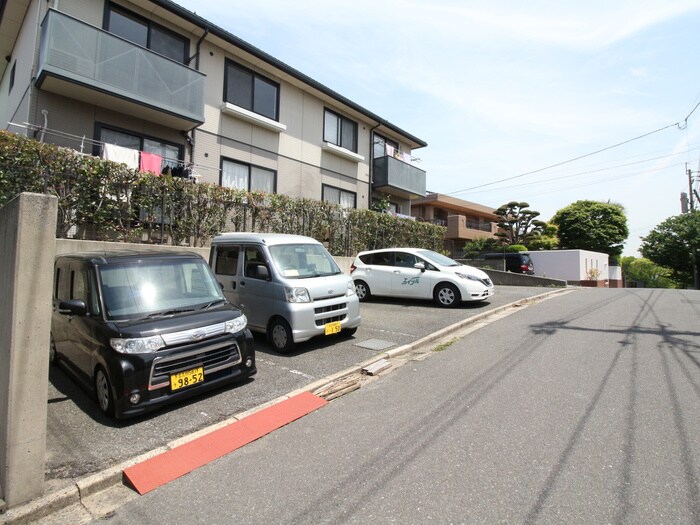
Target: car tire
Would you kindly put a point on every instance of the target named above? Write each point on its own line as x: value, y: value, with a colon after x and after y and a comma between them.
x: 103, y: 392
x: 362, y: 291
x: 349, y: 332
x: 279, y: 334
x: 446, y: 295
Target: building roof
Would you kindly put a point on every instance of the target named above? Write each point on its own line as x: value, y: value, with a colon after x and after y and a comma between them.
x: 446, y: 202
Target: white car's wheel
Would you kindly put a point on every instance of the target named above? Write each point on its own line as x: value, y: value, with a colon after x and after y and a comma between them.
x: 447, y: 295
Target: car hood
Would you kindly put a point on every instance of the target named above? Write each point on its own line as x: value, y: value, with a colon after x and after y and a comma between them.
x: 467, y: 270
x: 174, y: 323
x: 325, y: 286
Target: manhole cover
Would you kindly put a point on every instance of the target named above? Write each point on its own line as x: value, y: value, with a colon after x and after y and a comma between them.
x: 375, y: 344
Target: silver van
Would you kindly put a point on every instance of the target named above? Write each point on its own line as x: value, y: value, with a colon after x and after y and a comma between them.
x: 288, y: 286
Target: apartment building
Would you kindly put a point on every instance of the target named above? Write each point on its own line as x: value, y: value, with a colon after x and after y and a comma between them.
x: 465, y: 221
x: 151, y: 76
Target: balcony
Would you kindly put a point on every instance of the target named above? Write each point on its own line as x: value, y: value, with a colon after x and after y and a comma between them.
x: 461, y: 227
x: 85, y: 63
x: 398, y: 178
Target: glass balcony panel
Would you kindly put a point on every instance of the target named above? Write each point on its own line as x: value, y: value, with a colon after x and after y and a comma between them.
x: 81, y: 53
x: 395, y: 176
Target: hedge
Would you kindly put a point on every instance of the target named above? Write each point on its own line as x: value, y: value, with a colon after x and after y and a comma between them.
x: 103, y: 200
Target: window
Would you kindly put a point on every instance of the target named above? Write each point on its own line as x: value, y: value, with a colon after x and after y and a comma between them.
x: 247, y: 177
x: 147, y: 34
x: 226, y: 260
x: 346, y: 199
x: 384, y: 146
x: 339, y: 130
x: 251, y: 91
x: 171, y: 153
x: 405, y: 260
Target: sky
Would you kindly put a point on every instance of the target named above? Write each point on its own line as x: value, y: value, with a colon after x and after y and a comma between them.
x: 546, y: 102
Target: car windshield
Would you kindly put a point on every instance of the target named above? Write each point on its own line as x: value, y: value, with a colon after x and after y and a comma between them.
x: 438, y: 258
x: 148, y: 288
x: 300, y: 261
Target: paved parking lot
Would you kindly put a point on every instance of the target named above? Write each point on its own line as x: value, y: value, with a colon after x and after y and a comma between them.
x: 80, y: 441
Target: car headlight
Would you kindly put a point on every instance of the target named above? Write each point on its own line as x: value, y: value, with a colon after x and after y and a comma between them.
x: 468, y: 276
x: 238, y: 324
x: 140, y: 345
x: 297, y: 295
x: 351, y: 288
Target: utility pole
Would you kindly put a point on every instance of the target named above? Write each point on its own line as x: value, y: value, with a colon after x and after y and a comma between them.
x: 691, y: 199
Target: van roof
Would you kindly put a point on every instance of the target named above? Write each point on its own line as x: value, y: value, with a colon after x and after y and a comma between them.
x: 104, y: 257
x: 265, y: 238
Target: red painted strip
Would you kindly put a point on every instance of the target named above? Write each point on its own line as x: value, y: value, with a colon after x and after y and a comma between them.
x: 170, y: 465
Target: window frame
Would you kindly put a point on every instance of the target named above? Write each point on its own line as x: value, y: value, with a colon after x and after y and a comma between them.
x: 150, y: 25
x: 341, y: 190
x: 253, y: 76
x: 249, y: 176
x: 339, y: 133
x: 99, y: 126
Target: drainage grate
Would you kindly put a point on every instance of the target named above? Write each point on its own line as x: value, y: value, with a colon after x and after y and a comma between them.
x: 376, y: 344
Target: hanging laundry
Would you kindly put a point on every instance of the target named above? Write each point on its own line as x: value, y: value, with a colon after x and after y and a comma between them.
x: 115, y: 153
x: 389, y: 150
x: 151, y: 162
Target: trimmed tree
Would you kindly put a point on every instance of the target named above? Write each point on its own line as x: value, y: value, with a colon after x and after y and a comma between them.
x: 518, y: 223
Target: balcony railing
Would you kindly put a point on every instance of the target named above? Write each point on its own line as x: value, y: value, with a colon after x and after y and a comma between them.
x: 80, y: 54
x: 397, y: 177
x: 461, y: 227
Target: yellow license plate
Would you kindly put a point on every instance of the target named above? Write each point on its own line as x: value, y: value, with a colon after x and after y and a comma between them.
x: 333, y: 328
x: 187, y: 378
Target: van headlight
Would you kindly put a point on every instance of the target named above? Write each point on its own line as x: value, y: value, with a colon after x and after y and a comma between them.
x: 351, y: 288
x: 297, y: 295
x: 236, y: 325
x: 140, y: 345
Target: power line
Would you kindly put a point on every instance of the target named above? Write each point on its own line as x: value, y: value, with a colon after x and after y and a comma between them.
x: 574, y: 159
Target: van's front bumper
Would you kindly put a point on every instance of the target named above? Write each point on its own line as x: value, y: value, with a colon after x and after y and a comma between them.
x: 310, y: 319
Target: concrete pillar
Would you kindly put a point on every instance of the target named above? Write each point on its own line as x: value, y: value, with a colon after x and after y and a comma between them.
x: 27, y: 245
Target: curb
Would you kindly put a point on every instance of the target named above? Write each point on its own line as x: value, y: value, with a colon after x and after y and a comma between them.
x: 93, y: 483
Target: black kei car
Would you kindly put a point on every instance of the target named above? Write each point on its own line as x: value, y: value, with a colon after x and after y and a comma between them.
x: 141, y: 329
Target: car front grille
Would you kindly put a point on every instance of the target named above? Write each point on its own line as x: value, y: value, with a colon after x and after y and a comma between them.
x: 330, y: 313
x: 211, y: 357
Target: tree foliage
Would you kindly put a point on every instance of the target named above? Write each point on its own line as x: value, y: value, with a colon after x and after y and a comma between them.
x: 547, y: 240
x: 518, y: 224
x: 103, y: 200
x: 591, y: 225
x: 675, y: 244
x: 645, y: 272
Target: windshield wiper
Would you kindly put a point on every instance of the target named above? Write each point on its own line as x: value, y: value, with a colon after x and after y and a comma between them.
x: 212, y: 303
x: 156, y: 315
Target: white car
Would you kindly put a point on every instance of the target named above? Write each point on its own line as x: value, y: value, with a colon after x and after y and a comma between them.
x: 418, y: 273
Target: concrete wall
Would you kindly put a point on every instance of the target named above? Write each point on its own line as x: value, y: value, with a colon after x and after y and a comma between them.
x: 27, y: 229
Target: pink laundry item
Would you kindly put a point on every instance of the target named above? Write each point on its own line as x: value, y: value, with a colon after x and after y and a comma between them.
x: 151, y: 162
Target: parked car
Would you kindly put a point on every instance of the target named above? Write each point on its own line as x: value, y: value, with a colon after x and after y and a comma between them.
x: 513, y: 262
x: 288, y: 286
x: 141, y: 329
x: 418, y: 273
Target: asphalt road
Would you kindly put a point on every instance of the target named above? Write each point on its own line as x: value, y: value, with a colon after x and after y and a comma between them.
x: 579, y: 409
x: 81, y: 441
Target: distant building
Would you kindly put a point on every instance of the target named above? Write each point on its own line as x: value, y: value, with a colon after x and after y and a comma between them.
x: 153, y: 78
x: 465, y: 221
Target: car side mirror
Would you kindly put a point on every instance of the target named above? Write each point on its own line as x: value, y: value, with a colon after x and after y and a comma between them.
x: 72, y: 307
x: 419, y: 266
x: 263, y: 272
